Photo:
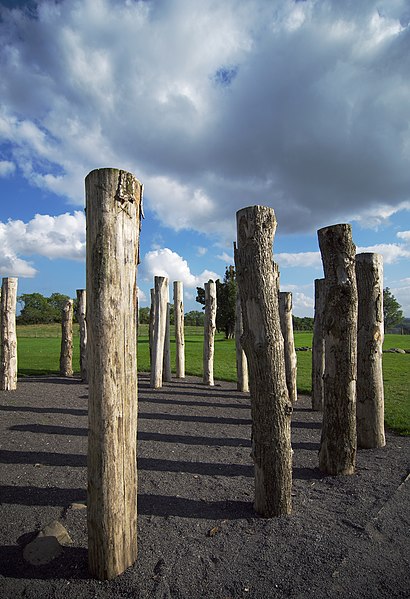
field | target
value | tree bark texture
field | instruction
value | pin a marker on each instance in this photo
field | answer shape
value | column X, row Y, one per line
column 167, row 375
column 81, row 311
column 337, row 454
column 286, row 324
column 8, row 334
column 241, row 361
column 179, row 329
column 160, row 323
column 262, row 341
column 318, row 347
column 66, row 353
column 151, row 326
column 370, row 334
column 209, row 332
column 113, row 204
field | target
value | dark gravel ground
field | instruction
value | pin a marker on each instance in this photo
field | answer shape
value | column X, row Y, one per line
column 347, row 536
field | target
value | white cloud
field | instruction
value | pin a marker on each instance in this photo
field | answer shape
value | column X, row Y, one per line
column 166, row 263
column 227, row 258
column 391, row 252
column 61, row 236
column 299, row 259
column 405, row 235
column 201, row 251
column 402, row 295
column 199, row 101
column 6, row 168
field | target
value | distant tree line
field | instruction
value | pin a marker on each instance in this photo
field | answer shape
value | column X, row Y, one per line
column 38, row 309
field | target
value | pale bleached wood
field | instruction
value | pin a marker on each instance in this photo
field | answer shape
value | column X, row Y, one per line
column 286, row 325
column 151, row 326
column 370, row 334
column 318, row 347
column 66, row 353
column 113, row 200
column 8, row 372
column 337, row 454
column 179, row 329
column 209, row 332
column 160, row 323
column 241, row 361
column 167, row 374
column 262, row 341
column 81, row 312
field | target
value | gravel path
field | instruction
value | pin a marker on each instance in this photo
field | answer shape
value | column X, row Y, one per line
column 198, row 535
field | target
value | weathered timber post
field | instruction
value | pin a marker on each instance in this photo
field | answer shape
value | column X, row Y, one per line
column 209, row 332
column 151, row 325
column 318, row 347
column 160, row 322
column 81, row 310
column 241, row 361
column 167, row 375
column 113, row 204
column 286, row 325
column 8, row 334
column 370, row 334
column 179, row 329
column 263, row 344
column 66, row 354
column 337, row 454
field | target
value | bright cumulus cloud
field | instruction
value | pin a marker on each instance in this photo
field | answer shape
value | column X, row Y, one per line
column 166, row 263
column 214, row 105
column 61, row 236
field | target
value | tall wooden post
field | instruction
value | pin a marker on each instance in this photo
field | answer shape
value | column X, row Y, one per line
column 66, row 354
column 318, row 347
column 337, row 454
column 151, row 326
column 113, row 199
column 209, row 332
column 263, row 344
column 160, row 323
column 8, row 372
column 179, row 329
column 370, row 333
column 241, row 361
column 167, row 374
column 81, row 310
column 286, row 325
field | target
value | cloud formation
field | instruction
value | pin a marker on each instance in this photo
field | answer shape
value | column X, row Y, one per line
column 61, row 236
column 215, row 105
column 166, row 263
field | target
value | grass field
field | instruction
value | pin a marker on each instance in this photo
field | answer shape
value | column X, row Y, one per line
column 39, row 353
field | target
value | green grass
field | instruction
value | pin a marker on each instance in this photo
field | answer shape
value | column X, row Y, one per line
column 39, row 353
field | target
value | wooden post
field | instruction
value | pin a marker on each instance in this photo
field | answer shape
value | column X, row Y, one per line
column 179, row 329
column 167, row 374
column 241, row 361
column 209, row 332
column 151, row 326
column 318, row 347
column 337, row 454
column 66, row 354
column 81, row 310
column 286, row 325
column 8, row 334
column 370, row 333
column 263, row 344
column 113, row 200
column 160, row 322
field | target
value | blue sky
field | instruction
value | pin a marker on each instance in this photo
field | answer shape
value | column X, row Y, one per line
column 302, row 106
